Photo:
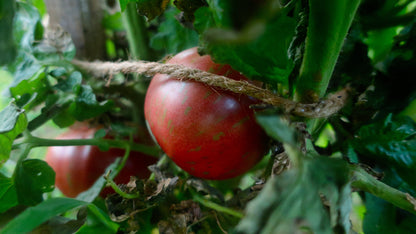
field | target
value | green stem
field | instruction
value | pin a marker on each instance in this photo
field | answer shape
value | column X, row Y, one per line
column 367, row 183
column 215, row 206
column 123, row 194
column 124, row 159
column 138, row 40
column 136, row 33
column 329, row 22
column 42, row 142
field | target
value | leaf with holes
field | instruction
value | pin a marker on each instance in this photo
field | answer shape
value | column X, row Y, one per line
column 33, row 178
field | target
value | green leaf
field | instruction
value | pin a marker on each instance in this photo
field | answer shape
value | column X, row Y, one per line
column 58, row 72
column 151, row 8
column 8, row 196
column 25, row 67
column 64, row 119
column 30, row 92
column 68, row 84
column 98, row 222
column 293, row 201
column 33, row 178
column 264, row 57
column 380, row 42
column 7, row 45
column 28, row 28
column 33, row 49
column 382, row 217
column 27, row 32
column 61, row 225
column 277, row 128
column 6, row 80
column 34, row 216
column 390, row 142
column 75, row 101
column 172, row 37
column 86, row 105
column 12, row 123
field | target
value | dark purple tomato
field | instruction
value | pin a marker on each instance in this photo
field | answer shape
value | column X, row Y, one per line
column 208, row 132
column 78, row 167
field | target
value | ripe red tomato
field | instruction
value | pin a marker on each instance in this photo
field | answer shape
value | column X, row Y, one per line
column 78, row 167
column 208, row 132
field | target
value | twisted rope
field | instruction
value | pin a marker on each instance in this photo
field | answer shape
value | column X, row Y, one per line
column 323, row 108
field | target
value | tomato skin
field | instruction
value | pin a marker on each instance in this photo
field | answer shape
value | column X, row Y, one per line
column 78, row 167
column 208, row 132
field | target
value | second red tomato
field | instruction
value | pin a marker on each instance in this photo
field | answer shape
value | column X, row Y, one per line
column 78, row 167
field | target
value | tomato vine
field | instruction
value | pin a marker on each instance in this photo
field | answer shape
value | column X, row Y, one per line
column 334, row 96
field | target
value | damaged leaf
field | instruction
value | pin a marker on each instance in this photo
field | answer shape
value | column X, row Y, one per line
column 189, row 7
column 151, row 8
column 182, row 216
column 293, row 201
column 164, row 186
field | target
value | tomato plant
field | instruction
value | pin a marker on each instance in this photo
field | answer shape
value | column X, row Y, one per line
column 209, row 133
column 78, row 167
column 335, row 114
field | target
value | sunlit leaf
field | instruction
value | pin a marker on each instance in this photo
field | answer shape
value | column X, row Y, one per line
column 30, row 92
column 12, row 123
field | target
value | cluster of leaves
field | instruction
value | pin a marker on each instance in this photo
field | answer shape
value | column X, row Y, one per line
column 45, row 87
column 265, row 40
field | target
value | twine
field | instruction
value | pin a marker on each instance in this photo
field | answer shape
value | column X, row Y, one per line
column 323, row 108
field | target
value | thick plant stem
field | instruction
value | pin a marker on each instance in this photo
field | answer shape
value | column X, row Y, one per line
column 138, row 40
column 367, row 183
column 136, row 33
column 329, row 22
